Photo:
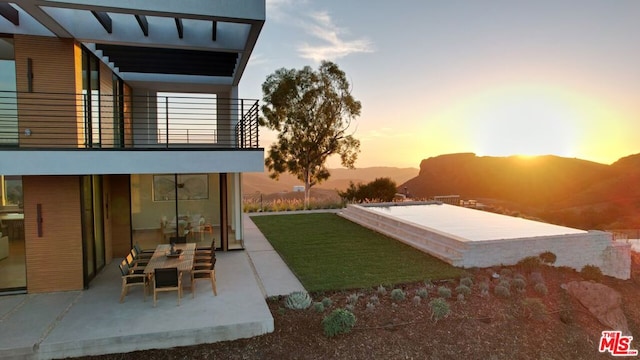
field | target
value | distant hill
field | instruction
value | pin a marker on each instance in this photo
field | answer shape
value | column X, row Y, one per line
column 340, row 178
column 561, row 190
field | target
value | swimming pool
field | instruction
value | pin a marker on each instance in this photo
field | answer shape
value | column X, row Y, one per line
column 469, row 238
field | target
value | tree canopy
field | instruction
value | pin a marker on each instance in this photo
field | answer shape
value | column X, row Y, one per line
column 312, row 112
column 381, row 189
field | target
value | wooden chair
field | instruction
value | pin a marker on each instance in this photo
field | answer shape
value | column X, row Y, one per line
column 130, row 279
column 204, row 271
column 166, row 279
column 135, row 267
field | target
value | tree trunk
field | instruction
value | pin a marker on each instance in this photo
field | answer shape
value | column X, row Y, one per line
column 307, row 190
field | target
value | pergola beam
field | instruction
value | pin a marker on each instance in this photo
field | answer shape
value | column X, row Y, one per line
column 8, row 12
column 214, row 31
column 179, row 27
column 104, row 19
column 144, row 24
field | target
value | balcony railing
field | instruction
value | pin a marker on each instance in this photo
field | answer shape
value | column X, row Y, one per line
column 97, row 121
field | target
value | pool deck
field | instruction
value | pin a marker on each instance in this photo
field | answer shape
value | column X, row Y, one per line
column 93, row 322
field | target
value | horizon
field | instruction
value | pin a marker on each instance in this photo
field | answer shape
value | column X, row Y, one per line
column 494, row 79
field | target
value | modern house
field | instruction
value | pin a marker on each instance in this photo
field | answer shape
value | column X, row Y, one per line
column 120, row 123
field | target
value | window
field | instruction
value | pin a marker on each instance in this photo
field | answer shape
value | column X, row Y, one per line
column 11, row 190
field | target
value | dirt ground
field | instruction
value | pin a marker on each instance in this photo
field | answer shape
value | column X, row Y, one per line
column 482, row 326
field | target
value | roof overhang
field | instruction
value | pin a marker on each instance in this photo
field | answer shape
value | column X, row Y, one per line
column 160, row 43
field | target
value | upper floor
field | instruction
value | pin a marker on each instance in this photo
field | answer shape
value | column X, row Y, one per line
column 109, row 86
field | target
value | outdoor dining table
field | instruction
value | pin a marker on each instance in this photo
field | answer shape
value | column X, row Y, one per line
column 184, row 262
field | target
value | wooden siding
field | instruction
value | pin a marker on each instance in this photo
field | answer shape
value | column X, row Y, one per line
column 106, row 106
column 54, row 261
column 54, row 71
column 128, row 122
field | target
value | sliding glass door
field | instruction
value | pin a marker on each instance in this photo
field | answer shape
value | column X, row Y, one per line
column 92, row 226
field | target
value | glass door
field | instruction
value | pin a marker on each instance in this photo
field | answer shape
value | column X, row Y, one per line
column 91, row 99
column 8, row 100
column 92, row 226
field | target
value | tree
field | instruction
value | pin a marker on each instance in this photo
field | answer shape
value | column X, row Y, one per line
column 381, row 189
column 312, row 112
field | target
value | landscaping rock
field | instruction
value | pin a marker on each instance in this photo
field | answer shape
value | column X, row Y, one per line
column 602, row 301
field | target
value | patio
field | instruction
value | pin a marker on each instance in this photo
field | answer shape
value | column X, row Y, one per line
column 92, row 322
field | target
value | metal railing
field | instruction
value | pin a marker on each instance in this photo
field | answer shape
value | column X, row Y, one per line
column 96, row 121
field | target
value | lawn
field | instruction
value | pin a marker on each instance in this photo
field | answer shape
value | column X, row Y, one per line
column 327, row 252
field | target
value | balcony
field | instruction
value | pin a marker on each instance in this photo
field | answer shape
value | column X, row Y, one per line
column 91, row 131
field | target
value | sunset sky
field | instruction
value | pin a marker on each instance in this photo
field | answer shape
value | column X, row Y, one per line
column 497, row 78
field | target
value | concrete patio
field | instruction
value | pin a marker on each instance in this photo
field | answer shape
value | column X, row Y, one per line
column 93, row 322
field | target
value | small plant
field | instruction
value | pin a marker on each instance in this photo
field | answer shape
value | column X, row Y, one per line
column 371, row 307
column 281, row 311
column 463, row 290
column 519, row 276
column 460, row 297
column 340, row 321
column 536, row 278
column 519, row 284
column 444, row 292
column 422, row 292
column 502, row 291
column 397, row 294
column 417, row 300
column 298, row 300
column 484, row 286
column 327, row 302
column 439, row 308
column 505, row 272
column 548, row 258
column 484, row 293
column 350, row 307
column 591, row 272
column 535, row 308
column 352, row 299
column 374, row 300
column 429, row 284
column 505, row 283
column 318, row 307
column 466, row 281
column 382, row 290
column 541, row 288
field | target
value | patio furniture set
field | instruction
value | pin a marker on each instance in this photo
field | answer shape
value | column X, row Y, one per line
column 162, row 269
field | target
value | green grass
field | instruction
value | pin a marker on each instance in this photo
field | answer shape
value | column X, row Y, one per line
column 327, row 252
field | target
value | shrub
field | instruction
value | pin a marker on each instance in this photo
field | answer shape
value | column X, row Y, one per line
column 466, row 281
column 298, row 300
column 463, row 289
column 350, row 307
column 429, row 284
column 534, row 308
column 327, row 302
column 484, row 293
column 519, row 276
column 460, row 297
column 529, row 263
column 439, row 308
column 502, row 291
column 318, row 307
column 397, row 294
column 591, row 272
column 548, row 258
column 484, row 286
column 371, row 306
column 519, row 284
column 417, row 300
column 444, row 292
column 382, row 290
column 422, row 292
column 536, row 278
column 381, row 189
column 340, row 321
column 541, row 288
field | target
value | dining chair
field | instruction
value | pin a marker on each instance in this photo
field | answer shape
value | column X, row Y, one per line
column 135, row 266
column 143, row 252
column 131, row 279
column 204, row 271
column 166, row 279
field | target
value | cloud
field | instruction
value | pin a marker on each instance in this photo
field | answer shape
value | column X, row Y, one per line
column 278, row 10
column 330, row 43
